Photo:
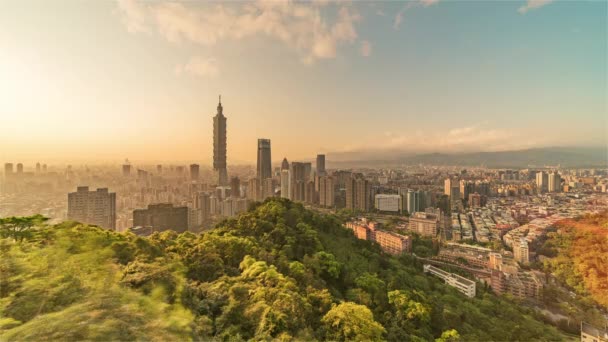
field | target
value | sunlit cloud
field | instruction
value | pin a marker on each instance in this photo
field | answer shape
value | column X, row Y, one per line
column 533, row 4
column 410, row 4
column 198, row 66
column 302, row 27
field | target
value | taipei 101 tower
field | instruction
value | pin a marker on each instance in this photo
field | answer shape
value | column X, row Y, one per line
column 219, row 145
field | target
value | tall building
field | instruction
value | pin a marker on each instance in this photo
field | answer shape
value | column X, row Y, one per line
column 320, row 164
column 299, row 174
column 8, row 169
column 284, row 164
column 235, row 187
column 159, row 169
column 37, row 167
column 363, row 201
column 327, row 194
column 264, row 167
column 310, row 195
column 93, row 207
column 424, row 223
column 285, row 182
column 447, row 186
column 350, row 186
column 219, row 145
column 19, row 168
column 253, row 189
column 126, row 170
column 163, row 216
column 542, row 181
column 194, row 172
column 267, row 186
column 555, row 182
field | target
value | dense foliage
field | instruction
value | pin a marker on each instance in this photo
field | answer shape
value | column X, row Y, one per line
column 276, row 272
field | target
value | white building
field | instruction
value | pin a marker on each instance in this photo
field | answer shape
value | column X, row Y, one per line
column 392, row 203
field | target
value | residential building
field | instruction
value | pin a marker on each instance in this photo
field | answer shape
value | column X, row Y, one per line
column 93, row 207
column 327, row 191
column 285, row 181
column 161, row 217
column 320, row 165
column 194, row 172
column 425, row 224
column 521, row 252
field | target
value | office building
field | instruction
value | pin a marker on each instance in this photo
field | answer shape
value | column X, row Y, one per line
column 284, row 164
column 126, row 170
column 285, row 181
column 424, row 223
column 327, row 192
column 161, row 217
column 194, row 172
column 388, row 203
column 235, row 187
column 320, row 165
column 219, row 145
column 299, row 174
column 93, row 207
column 253, row 189
column 264, row 166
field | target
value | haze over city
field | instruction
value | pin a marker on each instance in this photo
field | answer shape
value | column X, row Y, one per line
column 105, row 80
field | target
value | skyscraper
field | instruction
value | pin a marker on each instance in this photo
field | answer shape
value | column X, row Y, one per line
column 235, row 187
column 37, row 167
column 93, row 207
column 219, row 144
column 253, row 189
column 126, row 170
column 264, row 170
column 8, row 169
column 194, row 171
column 326, row 191
column 542, row 181
column 299, row 174
column 285, row 183
column 555, row 182
column 19, row 168
column 320, row 165
column 284, row 164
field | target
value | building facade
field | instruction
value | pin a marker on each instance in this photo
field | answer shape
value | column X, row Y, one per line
column 93, row 207
column 219, row 145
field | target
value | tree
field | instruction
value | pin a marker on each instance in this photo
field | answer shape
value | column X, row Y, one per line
column 451, row 335
column 351, row 322
column 19, row 228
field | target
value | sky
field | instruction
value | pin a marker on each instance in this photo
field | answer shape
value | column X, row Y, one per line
column 109, row 80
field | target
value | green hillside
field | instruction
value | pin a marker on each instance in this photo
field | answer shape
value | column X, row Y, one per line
column 276, row 272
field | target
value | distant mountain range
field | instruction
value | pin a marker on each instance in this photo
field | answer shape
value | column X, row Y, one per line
column 534, row 157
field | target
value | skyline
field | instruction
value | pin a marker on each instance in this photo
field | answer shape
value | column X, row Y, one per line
column 140, row 80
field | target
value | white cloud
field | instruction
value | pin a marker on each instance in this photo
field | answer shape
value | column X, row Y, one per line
column 366, row 48
column 198, row 66
column 533, row 4
column 300, row 26
column 399, row 16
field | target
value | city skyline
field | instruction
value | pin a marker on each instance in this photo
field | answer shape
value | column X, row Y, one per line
column 381, row 75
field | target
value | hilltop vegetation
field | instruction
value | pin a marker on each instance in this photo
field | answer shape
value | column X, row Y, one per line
column 276, row 272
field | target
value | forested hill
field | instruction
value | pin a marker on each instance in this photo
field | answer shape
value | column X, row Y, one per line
column 276, row 272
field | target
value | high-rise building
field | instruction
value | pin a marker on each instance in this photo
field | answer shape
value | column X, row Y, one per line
column 194, row 172
column 264, row 166
column 159, row 169
column 19, row 168
column 267, row 188
column 285, row 182
column 320, row 164
column 350, row 185
column 253, row 189
column 126, row 170
column 163, row 216
column 299, row 174
column 8, row 169
column 447, row 186
column 93, row 207
column 37, row 167
column 327, row 190
column 542, row 181
column 219, row 145
column 555, row 182
column 235, row 187
column 43, row 167
column 363, row 201
column 310, row 195
column 284, row 164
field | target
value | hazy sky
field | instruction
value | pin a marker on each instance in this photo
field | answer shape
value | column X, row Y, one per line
column 86, row 80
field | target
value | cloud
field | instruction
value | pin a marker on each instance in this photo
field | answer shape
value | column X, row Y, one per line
column 475, row 137
column 303, row 27
column 410, row 4
column 533, row 4
column 366, row 48
column 198, row 66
